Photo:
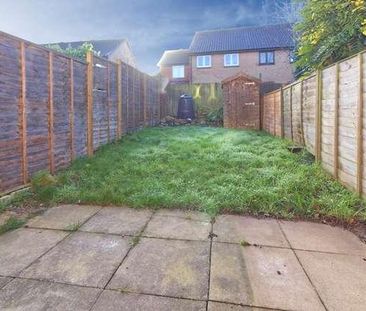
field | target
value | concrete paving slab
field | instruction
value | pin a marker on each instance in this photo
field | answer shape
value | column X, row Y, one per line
column 177, row 228
column 320, row 237
column 4, row 281
column 217, row 306
column 118, row 220
column 339, row 279
column 235, row 229
column 194, row 215
column 165, row 267
column 87, row 259
column 63, row 217
column 116, row 301
column 260, row 276
column 33, row 295
column 21, row 247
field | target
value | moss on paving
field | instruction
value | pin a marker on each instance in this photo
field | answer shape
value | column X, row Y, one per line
column 208, row 169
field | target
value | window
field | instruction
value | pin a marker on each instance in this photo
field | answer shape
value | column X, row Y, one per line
column 178, row 71
column 203, row 61
column 231, row 60
column 266, row 58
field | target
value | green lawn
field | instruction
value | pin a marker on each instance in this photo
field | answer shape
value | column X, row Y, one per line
column 209, row 169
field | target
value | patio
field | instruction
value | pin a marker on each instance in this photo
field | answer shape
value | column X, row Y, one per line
column 94, row 258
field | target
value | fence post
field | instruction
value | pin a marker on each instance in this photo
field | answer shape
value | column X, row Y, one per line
column 318, row 116
column 23, row 114
column 336, row 122
column 50, row 113
column 71, row 109
column 119, row 99
column 145, row 100
column 360, row 126
column 89, row 87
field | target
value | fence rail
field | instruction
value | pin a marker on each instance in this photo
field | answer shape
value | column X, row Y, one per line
column 325, row 112
column 54, row 108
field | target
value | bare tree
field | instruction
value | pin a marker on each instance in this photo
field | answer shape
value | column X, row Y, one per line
column 288, row 11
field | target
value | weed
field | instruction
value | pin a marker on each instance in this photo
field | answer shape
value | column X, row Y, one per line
column 11, row 224
column 135, row 240
column 73, row 227
column 244, row 243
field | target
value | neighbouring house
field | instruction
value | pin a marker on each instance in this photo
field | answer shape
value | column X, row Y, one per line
column 113, row 50
column 175, row 66
column 263, row 52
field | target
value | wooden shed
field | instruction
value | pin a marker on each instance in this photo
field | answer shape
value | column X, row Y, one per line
column 241, row 102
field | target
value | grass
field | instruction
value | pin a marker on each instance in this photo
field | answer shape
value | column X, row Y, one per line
column 209, row 169
column 11, row 224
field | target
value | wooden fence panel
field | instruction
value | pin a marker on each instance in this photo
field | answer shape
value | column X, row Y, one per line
column 287, row 113
column 11, row 158
column 80, row 109
column 297, row 124
column 326, row 113
column 37, row 109
column 328, row 118
column 54, row 108
column 348, row 96
column 61, row 113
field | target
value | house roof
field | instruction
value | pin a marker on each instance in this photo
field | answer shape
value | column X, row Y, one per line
column 105, row 47
column 243, row 38
column 174, row 57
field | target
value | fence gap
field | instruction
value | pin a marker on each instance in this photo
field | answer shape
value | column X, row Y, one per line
column 51, row 159
column 89, row 87
column 360, row 126
column 23, row 114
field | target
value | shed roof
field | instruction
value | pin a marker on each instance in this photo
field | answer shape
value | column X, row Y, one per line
column 243, row 38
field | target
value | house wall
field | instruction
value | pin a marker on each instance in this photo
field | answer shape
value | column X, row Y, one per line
column 166, row 72
column 124, row 53
column 280, row 72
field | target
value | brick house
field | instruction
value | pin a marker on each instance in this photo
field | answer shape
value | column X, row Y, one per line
column 110, row 49
column 175, row 66
column 263, row 52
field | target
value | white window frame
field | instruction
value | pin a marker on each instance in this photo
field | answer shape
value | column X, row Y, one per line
column 178, row 69
column 231, row 57
column 205, row 63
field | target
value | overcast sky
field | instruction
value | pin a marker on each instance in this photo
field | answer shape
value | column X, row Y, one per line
column 151, row 26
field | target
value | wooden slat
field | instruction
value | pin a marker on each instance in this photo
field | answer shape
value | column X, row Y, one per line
column 291, row 118
column 359, row 127
column 71, row 108
column 301, row 114
column 336, row 123
column 89, row 87
column 108, row 104
column 50, row 114
column 318, row 116
column 119, row 100
column 282, row 116
column 23, row 114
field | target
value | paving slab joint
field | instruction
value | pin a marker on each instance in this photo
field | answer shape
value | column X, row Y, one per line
column 302, row 267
